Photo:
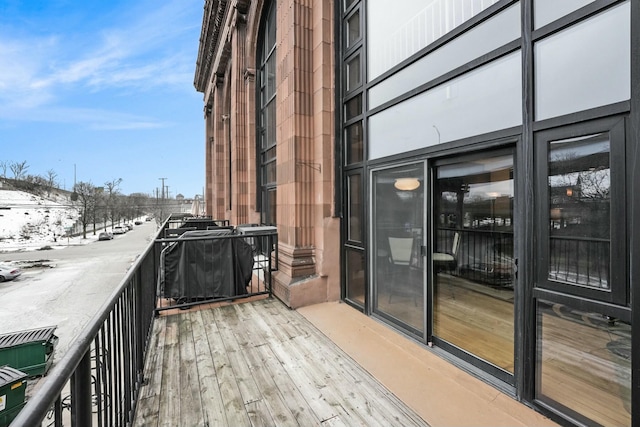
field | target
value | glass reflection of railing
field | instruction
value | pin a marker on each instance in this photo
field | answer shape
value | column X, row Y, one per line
column 483, row 256
column 579, row 261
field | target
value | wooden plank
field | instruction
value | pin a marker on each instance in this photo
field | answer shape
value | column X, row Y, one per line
column 233, row 404
column 356, row 386
column 169, row 413
column 212, row 406
column 149, row 403
column 360, row 392
column 283, row 400
column 190, row 400
column 235, row 345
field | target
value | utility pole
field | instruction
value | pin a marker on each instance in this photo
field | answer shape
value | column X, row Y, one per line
column 162, row 179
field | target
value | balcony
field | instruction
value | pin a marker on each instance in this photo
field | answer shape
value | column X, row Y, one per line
column 152, row 359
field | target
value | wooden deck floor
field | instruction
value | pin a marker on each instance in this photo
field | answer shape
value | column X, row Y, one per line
column 257, row 364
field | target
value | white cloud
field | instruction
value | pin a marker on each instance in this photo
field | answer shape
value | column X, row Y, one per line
column 155, row 48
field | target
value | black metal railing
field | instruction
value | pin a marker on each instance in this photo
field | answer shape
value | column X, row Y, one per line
column 214, row 265
column 98, row 380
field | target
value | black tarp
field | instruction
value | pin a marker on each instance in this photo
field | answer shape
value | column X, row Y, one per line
column 206, row 268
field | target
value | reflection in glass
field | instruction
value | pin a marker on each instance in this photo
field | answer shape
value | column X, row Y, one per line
column 486, row 99
column 473, row 258
column 353, row 29
column 594, row 54
column 584, row 363
column 353, row 73
column 353, row 107
column 398, row 217
column 546, row 11
column 396, row 33
column 354, row 141
column 355, row 275
column 480, row 40
column 355, row 208
column 580, row 211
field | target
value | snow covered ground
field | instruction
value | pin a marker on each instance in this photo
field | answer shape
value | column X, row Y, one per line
column 29, row 222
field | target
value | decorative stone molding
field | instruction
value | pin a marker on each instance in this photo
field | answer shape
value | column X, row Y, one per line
column 249, row 74
column 219, row 79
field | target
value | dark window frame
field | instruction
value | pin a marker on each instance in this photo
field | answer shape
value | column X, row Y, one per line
column 619, row 285
column 263, row 160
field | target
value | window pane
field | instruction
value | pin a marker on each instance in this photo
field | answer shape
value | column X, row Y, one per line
column 546, row 11
column 354, row 141
column 355, row 275
column 353, row 29
column 270, row 39
column 484, row 100
column 585, row 66
column 355, row 208
column 353, row 73
column 395, row 33
column 348, row 3
column 353, row 107
column 580, row 211
column 484, row 38
column 585, row 363
column 398, row 215
column 268, row 117
column 268, row 214
column 271, row 77
column 473, row 258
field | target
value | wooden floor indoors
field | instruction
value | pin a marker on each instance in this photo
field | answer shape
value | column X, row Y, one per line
column 257, row 363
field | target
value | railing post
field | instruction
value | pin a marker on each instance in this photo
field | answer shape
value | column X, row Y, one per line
column 81, row 393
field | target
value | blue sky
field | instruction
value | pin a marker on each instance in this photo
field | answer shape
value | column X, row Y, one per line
column 99, row 90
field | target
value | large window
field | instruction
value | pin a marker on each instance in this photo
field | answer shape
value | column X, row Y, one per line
column 486, row 99
column 583, row 321
column 397, row 31
column 493, row 33
column 582, row 252
column 595, row 54
column 267, row 117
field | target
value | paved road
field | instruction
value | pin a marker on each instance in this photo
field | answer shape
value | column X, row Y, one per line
column 73, row 289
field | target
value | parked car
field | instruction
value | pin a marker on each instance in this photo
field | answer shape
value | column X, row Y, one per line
column 129, row 226
column 105, row 235
column 118, row 229
column 8, row 272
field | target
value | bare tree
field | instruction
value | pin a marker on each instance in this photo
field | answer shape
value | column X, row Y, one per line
column 86, row 203
column 3, row 167
column 50, row 180
column 111, row 199
column 19, row 169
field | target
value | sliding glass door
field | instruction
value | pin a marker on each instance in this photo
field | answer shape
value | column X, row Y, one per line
column 473, row 259
column 398, row 239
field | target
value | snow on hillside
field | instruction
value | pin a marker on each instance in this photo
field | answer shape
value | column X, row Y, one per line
column 28, row 221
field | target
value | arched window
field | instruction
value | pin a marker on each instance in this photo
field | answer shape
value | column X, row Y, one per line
column 266, row 114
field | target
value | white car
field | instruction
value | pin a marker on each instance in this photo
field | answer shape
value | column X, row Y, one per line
column 118, row 229
column 8, row 272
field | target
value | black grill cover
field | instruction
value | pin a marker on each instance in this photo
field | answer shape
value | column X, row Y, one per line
column 204, row 269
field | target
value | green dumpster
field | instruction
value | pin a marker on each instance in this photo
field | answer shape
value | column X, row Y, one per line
column 12, row 389
column 30, row 351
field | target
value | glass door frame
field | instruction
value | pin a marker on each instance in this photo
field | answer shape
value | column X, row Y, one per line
column 494, row 375
column 420, row 335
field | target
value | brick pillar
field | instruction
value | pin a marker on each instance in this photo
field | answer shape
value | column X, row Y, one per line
column 304, row 158
column 239, row 175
